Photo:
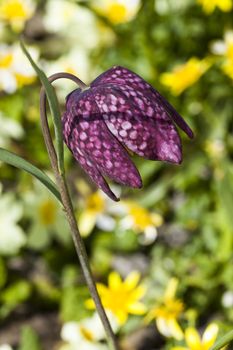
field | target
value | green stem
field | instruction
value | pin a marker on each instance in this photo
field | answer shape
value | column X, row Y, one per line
column 226, row 339
column 69, row 211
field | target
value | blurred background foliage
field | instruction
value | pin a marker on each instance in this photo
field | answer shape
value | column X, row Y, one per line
column 177, row 228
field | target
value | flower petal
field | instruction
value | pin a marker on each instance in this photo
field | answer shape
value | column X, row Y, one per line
column 163, row 326
column 132, row 280
column 144, row 127
column 90, row 137
column 84, row 161
column 122, row 76
column 175, row 329
column 139, row 292
column 114, row 280
column 121, row 316
column 89, row 303
column 193, row 339
column 171, row 288
column 86, row 222
column 210, row 336
column 137, row 308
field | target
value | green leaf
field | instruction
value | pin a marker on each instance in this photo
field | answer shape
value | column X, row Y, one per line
column 71, row 310
column 29, row 339
column 54, row 107
column 16, row 294
column 15, row 160
column 226, row 339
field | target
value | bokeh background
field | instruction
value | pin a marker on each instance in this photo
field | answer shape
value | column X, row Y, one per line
column 170, row 242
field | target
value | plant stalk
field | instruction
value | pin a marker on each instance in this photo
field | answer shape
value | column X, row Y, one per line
column 69, row 211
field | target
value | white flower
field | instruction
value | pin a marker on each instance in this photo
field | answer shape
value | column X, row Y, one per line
column 227, row 299
column 9, row 129
column 47, row 219
column 72, row 20
column 76, row 62
column 5, row 347
column 86, row 334
column 15, row 69
column 12, row 237
column 98, row 210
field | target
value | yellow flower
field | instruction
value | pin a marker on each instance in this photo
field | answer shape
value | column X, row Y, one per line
column 140, row 220
column 16, row 12
column 210, row 5
column 185, row 75
column 121, row 297
column 215, row 148
column 117, row 11
column 225, row 49
column 167, row 312
column 96, row 212
column 195, row 342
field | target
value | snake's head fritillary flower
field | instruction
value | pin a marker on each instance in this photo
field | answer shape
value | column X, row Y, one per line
column 120, row 111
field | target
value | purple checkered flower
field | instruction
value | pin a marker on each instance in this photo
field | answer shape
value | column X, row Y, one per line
column 120, row 111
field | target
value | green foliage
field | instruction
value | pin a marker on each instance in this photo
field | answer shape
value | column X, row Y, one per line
column 195, row 199
column 29, row 339
column 13, row 296
column 19, row 162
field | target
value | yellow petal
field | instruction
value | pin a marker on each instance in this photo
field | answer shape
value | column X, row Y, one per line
column 163, row 327
column 114, row 280
column 132, row 280
column 86, row 222
column 121, row 316
column 102, row 289
column 193, row 339
column 175, row 329
column 150, row 315
column 138, row 293
column 170, row 291
column 89, row 303
column 157, row 219
column 137, row 308
column 209, row 336
column 179, row 348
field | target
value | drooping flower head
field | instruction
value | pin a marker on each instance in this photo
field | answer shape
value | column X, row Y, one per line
column 120, row 110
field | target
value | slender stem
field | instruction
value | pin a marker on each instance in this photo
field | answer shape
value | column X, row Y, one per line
column 69, row 211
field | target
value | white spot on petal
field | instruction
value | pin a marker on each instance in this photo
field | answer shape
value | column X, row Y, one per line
column 126, row 125
column 143, row 146
column 123, row 133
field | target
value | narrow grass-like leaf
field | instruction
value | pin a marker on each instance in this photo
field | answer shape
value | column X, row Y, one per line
column 54, row 107
column 18, row 162
column 223, row 341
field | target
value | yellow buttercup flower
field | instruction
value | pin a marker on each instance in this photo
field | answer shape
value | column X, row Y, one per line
column 140, row 220
column 96, row 212
column 185, row 75
column 195, row 342
column 117, row 11
column 16, row 12
column 167, row 312
column 210, row 5
column 121, row 297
